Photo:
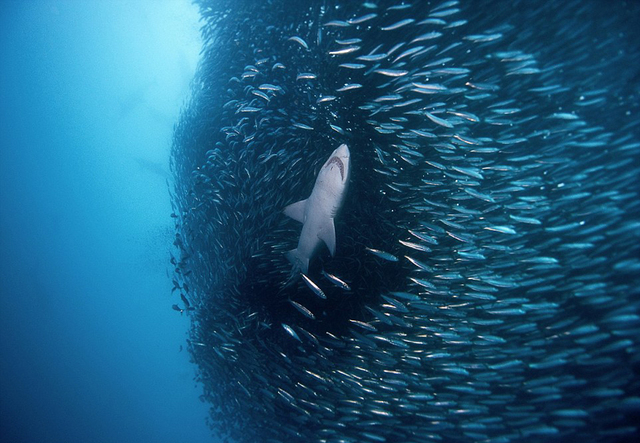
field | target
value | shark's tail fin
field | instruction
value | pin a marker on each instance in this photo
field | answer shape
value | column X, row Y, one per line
column 300, row 264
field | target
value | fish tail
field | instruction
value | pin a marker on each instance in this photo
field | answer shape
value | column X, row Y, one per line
column 300, row 264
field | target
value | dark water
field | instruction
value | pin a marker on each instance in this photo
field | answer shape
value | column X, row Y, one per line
column 89, row 345
column 494, row 151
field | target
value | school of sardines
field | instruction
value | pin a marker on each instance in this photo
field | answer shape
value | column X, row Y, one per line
column 485, row 284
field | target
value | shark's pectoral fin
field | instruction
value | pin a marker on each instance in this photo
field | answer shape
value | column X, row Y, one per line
column 328, row 235
column 296, row 210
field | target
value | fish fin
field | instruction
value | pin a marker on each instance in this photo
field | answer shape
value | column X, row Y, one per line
column 299, row 263
column 296, row 210
column 328, row 235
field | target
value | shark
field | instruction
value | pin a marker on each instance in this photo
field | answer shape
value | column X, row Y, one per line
column 318, row 212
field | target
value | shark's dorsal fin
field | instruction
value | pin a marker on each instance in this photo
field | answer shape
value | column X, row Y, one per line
column 296, row 210
column 328, row 235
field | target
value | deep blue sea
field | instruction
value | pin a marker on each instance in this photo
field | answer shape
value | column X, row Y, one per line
column 89, row 345
column 484, row 282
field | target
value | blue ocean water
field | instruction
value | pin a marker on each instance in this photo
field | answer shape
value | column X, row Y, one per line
column 90, row 349
column 89, row 345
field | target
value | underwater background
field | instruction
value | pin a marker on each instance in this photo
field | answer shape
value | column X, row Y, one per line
column 485, row 281
column 89, row 345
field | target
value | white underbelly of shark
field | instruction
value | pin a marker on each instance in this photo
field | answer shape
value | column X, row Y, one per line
column 317, row 213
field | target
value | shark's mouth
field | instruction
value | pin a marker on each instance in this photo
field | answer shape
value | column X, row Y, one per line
column 337, row 161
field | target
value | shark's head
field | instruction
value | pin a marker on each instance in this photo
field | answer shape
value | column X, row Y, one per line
column 338, row 165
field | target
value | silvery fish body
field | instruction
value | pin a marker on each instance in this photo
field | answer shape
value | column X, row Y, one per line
column 490, row 235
